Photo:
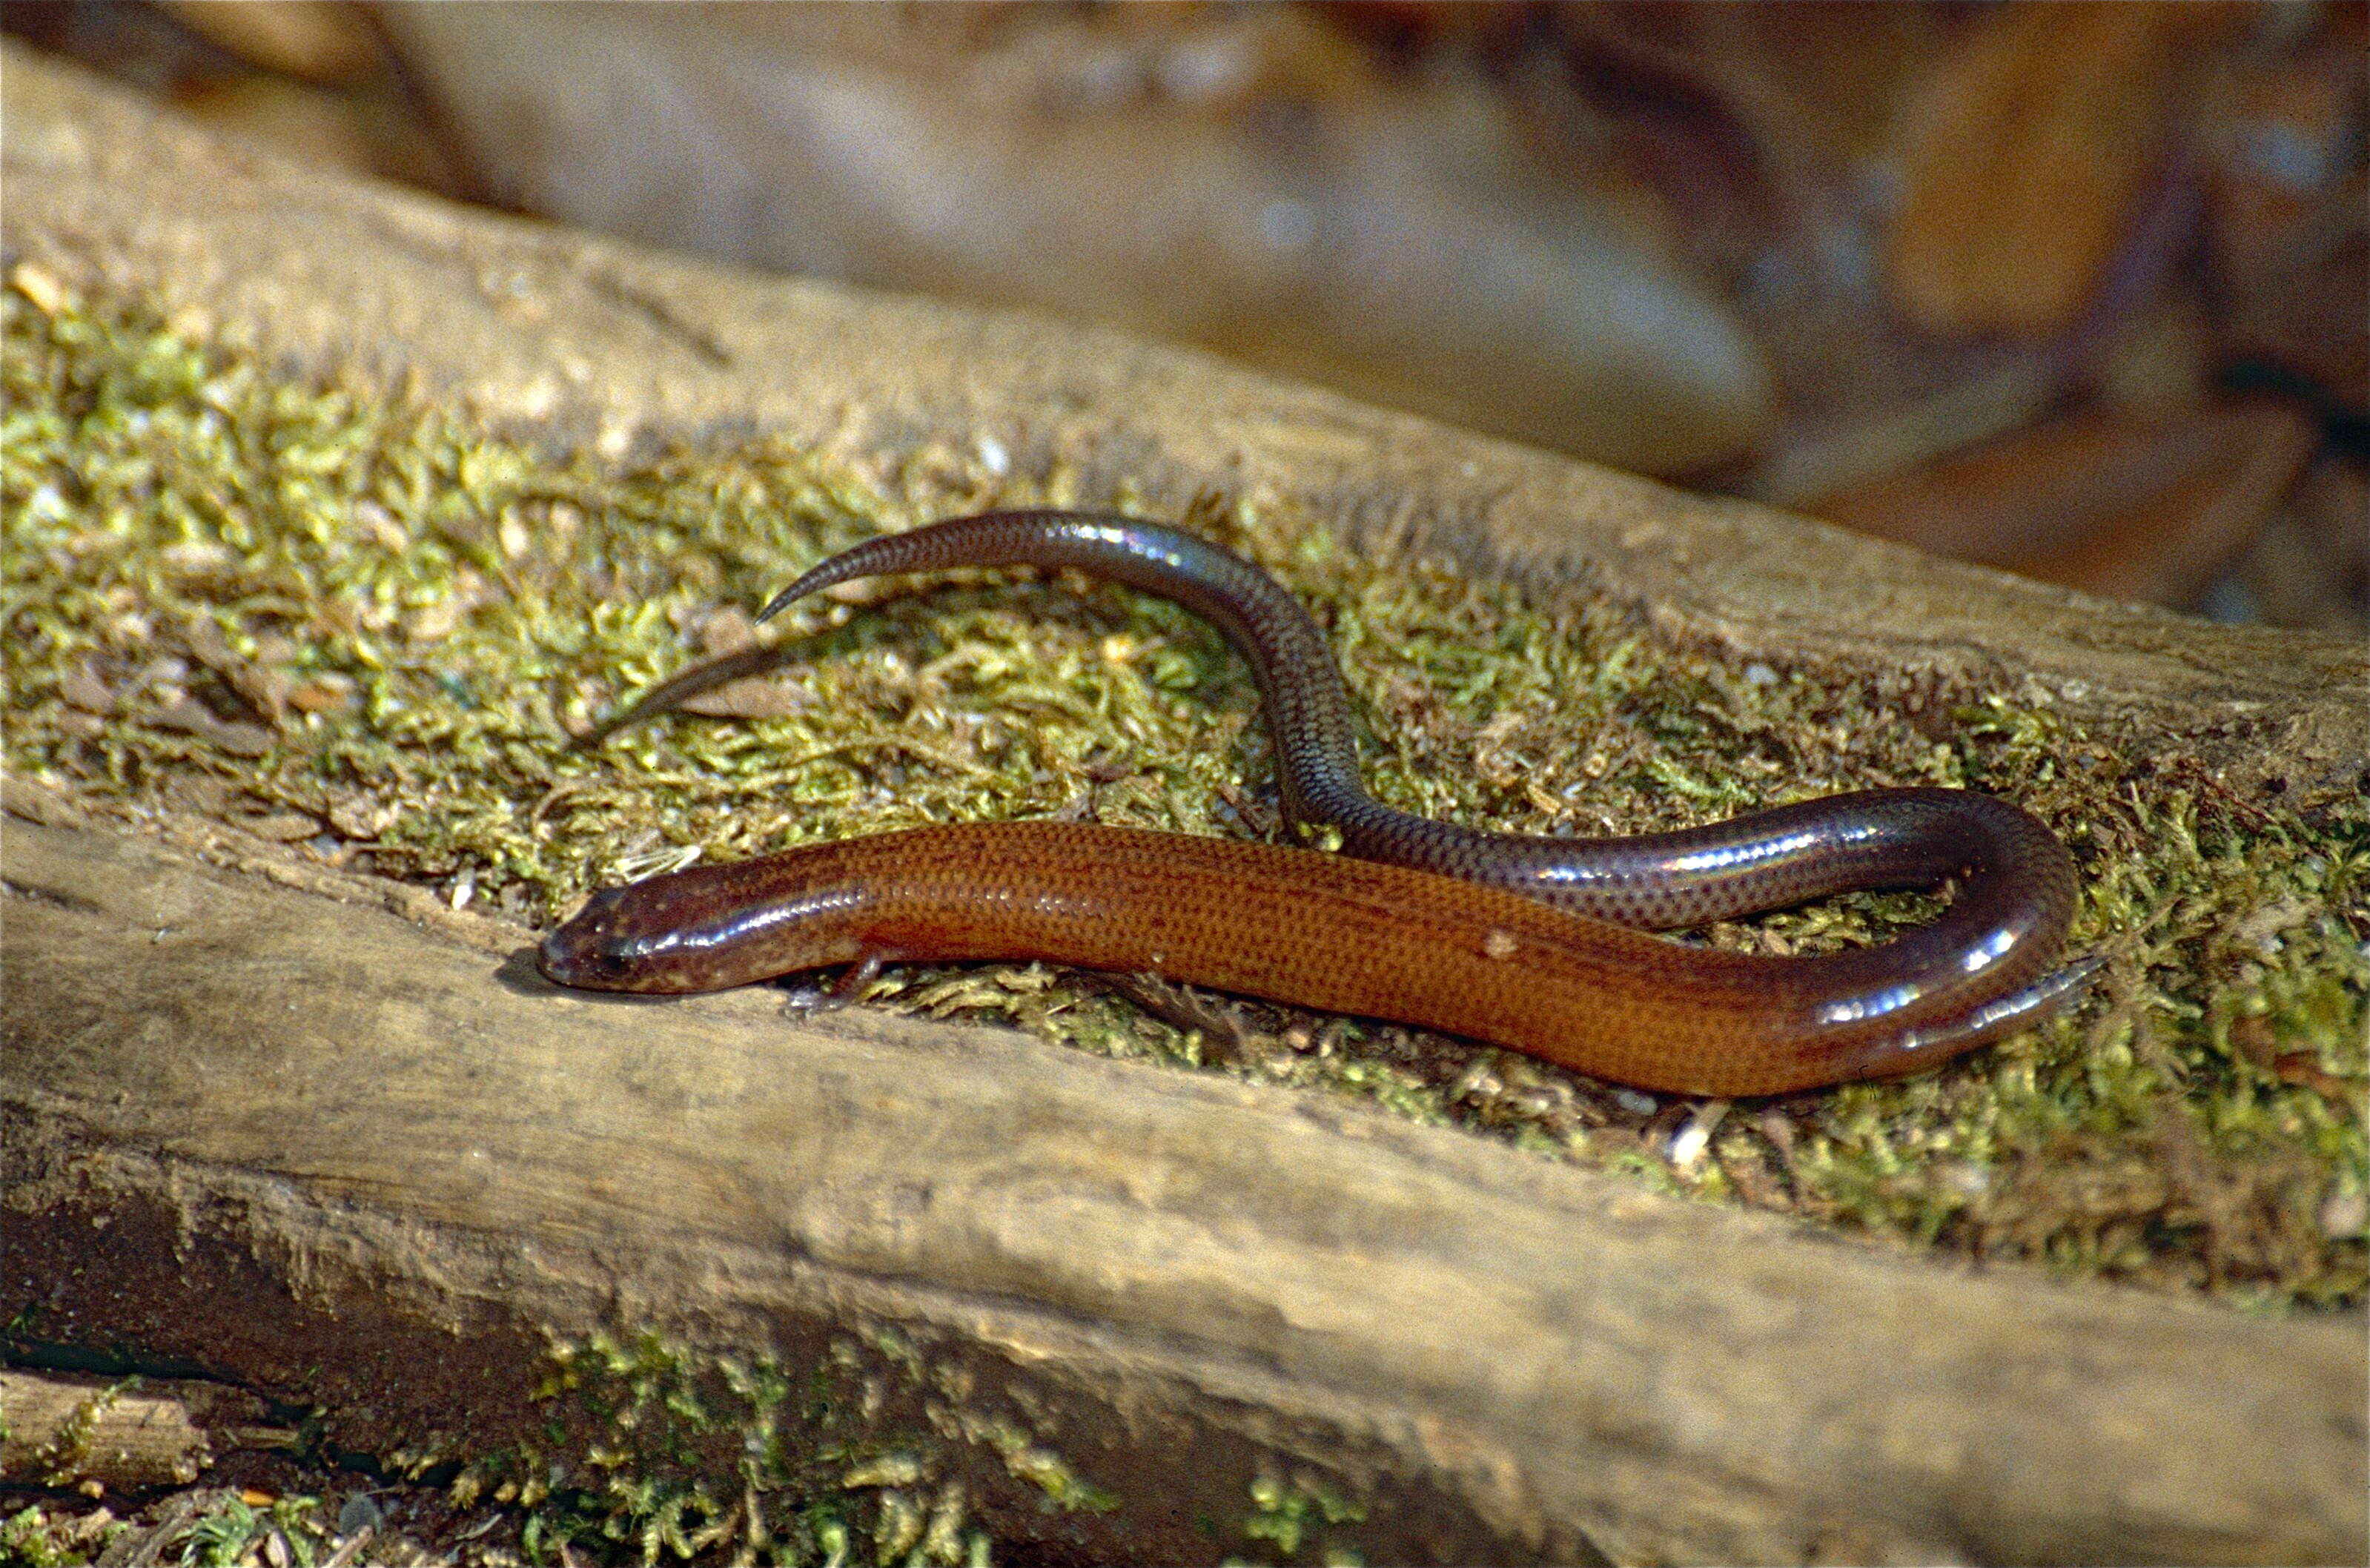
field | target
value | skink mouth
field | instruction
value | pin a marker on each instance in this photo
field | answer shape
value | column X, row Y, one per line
column 585, row 953
column 584, row 950
column 561, row 959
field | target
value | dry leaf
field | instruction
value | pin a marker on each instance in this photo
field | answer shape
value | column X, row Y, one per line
column 2029, row 154
column 2130, row 508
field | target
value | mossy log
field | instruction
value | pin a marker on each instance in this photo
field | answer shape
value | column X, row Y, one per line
column 318, row 1134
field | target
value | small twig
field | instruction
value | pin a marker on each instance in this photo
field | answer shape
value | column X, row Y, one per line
column 552, row 797
column 1255, row 816
column 683, row 684
column 350, row 1548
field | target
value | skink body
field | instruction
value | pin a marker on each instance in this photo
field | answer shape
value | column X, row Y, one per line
column 1515, row 939
column 1313, row 930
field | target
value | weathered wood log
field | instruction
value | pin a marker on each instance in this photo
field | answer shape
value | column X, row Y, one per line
column 124, row 1434
column 394, row 1138
column 255, row 1114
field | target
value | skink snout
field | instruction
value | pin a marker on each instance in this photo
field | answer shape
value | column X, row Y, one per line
column 587, row 951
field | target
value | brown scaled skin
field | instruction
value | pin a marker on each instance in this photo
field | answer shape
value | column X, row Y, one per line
column 1494, row 935
column 1322, row 931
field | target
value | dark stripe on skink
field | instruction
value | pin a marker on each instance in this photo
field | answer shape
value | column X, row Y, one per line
column 1766, row 859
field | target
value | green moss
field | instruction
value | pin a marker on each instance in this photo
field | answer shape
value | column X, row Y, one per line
column 225, row 1531
column 1291, row 1515
column 61, row 1458
column 372, row 629
column 35, row 1536
column 653, row 1450
column 226, row 1534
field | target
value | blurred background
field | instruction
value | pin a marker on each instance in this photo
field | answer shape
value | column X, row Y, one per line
column 2077, row 290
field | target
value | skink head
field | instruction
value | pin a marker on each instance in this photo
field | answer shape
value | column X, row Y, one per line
column 600, row 950
column 713, row 927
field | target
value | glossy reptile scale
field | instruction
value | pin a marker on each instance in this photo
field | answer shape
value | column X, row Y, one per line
column 1519, row 940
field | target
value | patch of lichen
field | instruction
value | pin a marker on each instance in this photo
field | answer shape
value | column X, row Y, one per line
column 381, row 632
